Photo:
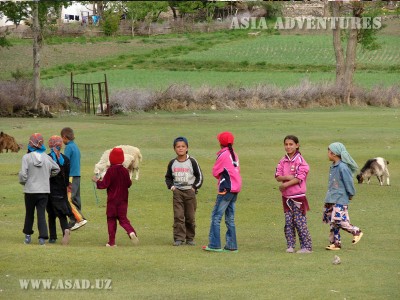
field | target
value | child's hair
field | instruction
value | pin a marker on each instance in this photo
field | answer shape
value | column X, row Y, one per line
column 232, row 155
column 293, row 138
column 68, row 133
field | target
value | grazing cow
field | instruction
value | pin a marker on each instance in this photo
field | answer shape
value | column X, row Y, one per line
column 376, row 166
column 7, row 142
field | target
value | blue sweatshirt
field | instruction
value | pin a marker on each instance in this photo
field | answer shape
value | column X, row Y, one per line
column 341, row 185
column 74, row 155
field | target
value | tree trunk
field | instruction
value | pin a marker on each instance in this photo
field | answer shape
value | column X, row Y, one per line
column 174, row 12
column 36, row 55
column 350, row 64
column 337, row 46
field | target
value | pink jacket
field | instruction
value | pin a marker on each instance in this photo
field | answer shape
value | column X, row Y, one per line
column 298, row 167
column 228, row 175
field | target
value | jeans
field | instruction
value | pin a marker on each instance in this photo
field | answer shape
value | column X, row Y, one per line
column 224, row 204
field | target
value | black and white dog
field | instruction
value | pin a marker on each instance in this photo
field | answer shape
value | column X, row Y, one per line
column 376, row 166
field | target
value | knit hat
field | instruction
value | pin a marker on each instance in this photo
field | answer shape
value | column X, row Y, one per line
column 181, row 139
column 340, row 150
column 117, row 156
column 55, row 141
column 225, row 138
column 36, row 140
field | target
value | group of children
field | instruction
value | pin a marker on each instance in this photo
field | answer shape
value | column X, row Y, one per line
column 292, row 171
column 183, row 177
column 46, row 181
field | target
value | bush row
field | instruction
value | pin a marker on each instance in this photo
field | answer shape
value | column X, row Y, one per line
column 18, row 95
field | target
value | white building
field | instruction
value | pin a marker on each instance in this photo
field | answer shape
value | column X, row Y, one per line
column 76, row 12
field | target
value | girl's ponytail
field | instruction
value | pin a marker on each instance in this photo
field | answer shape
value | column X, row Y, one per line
column 235, row 163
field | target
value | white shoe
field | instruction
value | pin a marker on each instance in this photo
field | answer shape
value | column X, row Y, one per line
column 134, row 238
column 78, row 225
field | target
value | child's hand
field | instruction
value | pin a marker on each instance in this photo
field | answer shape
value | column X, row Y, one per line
column 173, row 188
column 282, row 187
column 95, row 179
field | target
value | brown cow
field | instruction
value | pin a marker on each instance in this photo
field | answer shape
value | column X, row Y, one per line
column 7, row 142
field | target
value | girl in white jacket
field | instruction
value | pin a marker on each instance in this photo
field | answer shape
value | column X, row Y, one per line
column 36, row 170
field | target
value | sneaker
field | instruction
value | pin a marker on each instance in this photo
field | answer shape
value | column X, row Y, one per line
column 83, row 222
column 177, row 243
column 65, row 239
column 42, row 242
column 304, row 250
column 206, row 248
column 52, row 241
column 75, row 227
column 357, row 237
column 108, row 245
column 27, row 239
column 190, row 243
column 230, row 250
column 333, row 247
column 78, row 225
column 134, row 238
column 290, row 250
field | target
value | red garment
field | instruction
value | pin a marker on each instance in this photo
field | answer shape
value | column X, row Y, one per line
column 117, row 182
column 116, row 156
column 304, row 207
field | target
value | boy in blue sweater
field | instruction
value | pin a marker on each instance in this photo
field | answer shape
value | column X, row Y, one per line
column 74, row 155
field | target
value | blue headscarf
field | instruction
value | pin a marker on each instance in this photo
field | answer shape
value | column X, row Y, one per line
column 340, row 150
column 33, row 149
column 54, row 156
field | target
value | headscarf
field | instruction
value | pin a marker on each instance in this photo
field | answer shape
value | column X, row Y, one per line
column 36, row 143
column 116, row 156
column 225, row 138
column 340, row 150
column 55, row 144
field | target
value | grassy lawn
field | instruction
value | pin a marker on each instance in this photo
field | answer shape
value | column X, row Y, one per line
column 227, row 57
column 161, row 79
column 261, row 270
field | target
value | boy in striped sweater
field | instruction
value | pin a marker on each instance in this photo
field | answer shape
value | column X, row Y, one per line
column 183, row 178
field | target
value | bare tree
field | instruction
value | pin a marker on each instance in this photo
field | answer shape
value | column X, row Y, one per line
column 355, row 33
column 37, row 44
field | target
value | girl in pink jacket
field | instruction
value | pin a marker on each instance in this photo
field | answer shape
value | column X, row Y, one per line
column 292, row 172
column 227, row 171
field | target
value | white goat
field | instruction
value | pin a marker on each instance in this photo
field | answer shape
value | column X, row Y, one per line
column 132, row 155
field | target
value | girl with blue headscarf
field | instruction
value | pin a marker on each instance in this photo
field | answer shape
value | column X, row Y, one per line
column 36, row 169
column 340, row 191
column 58, row 205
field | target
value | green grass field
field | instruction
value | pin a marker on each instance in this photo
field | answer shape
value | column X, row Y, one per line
column 261, row 270
column 229, row 57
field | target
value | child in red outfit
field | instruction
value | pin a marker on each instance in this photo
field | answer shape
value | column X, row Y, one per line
column 117, row 182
